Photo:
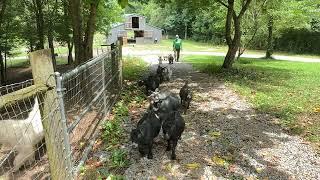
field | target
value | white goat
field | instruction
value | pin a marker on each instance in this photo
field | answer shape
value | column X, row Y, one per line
column 23, row 135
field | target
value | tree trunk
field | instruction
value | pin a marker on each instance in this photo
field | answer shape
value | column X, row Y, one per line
column 186, row 31
column 40, row 24
column 1, row 69
column 230, row 56
column 270, row 38
column 76, row 19
column 31, row 45
column 91, row 25
column 51, row 46
column 70, row 48
column 233, row 43
column 5, row 65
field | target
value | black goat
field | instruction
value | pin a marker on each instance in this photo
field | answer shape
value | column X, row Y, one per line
column 173, row 128
column 170, row 58
column 185, row 96
column 164, row 103
column 147, row 129
column 151, row 83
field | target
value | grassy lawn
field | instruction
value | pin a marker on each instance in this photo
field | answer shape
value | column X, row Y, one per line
column 133, row 68
column 288, row 90
column 190, row 45
column 23, row 63
column 187, row 45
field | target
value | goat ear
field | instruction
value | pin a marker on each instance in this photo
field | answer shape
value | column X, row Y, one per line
column 140, row 134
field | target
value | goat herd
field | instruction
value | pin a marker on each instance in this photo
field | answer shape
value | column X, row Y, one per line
column 163, row 111
column 23, row 135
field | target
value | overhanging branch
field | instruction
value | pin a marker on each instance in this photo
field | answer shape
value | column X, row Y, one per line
column 224, row 4
column 244, row 8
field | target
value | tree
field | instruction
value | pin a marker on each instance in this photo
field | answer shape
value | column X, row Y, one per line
column 8, row 33
column 232, row 16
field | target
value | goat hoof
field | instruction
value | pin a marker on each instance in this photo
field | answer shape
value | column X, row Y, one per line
column 150, row 156
column 173, row 157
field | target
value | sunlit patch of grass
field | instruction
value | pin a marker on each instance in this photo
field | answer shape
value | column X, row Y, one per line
column 24, row 63
column 133, row 68
column 284, row 89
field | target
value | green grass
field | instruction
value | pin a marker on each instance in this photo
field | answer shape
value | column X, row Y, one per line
column 112, row 130
column 288, row 90
column 187, row 45
column 190, row 45
column 23, row 63
column 133, row 68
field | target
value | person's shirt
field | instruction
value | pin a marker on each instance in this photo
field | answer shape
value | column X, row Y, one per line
column 177, row 43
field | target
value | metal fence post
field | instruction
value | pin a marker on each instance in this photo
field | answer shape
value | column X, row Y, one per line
column 113, row 67
column 66, row 143
column 104, row 87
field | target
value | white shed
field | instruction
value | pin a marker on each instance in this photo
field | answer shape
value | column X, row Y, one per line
column 136, row 25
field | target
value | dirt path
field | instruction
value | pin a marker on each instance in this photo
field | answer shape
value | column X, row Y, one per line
column 225, row 138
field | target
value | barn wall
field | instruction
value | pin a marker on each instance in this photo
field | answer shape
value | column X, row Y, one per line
column 113, row 35
column 157, row 33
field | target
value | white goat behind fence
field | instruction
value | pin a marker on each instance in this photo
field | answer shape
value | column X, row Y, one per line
column 23, row 135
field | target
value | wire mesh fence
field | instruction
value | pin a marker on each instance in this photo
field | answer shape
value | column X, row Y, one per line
column 83, row 97
column 15, row 87
column 22, row 152
column 90, row 91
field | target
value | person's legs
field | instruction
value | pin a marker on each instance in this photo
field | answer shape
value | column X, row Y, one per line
column 178, row 54
column 175, row 54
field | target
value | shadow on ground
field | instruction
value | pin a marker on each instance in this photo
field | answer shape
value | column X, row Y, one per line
column 226, row 138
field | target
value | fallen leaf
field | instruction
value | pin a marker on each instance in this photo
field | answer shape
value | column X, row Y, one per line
column 168, row 167
column 259, row 170
column 219, row 161
column 193, row 165
column 215, row 134
column 317, row 109
column 161, row 178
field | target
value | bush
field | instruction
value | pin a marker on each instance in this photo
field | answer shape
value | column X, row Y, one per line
column 299, row 41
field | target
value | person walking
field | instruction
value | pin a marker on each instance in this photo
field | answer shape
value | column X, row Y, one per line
column 177, row 46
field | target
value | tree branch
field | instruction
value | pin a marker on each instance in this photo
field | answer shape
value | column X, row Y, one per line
column 244, row 8
column 224, row 4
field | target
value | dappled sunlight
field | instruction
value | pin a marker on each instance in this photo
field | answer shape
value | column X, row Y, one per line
column 224, row 138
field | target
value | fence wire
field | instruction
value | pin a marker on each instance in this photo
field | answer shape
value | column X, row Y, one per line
column 87, row 92
column 22, row 145
column 90, row 91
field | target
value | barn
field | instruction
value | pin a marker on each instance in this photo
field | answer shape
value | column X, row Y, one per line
column 135, row 30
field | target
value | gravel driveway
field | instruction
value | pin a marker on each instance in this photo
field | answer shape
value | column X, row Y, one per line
column 225, row 138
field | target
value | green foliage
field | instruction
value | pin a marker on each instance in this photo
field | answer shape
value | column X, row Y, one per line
column 112, row 131
column 121, row 109
column 284, row 89
column 109, row 12
column 133, row 68
column 299, row 41
column 119, row 159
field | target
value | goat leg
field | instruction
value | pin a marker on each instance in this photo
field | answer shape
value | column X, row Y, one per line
column 150, row 155
column 173, row 152
column 25, row 153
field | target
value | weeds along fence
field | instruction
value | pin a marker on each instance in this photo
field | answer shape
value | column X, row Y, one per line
column 52, row 138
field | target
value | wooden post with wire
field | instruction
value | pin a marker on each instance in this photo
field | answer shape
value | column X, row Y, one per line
column 59, row 155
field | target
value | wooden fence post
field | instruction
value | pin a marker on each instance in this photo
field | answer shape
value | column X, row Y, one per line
column 59, row 158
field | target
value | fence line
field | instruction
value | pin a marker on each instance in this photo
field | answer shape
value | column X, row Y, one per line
column 72, row 106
